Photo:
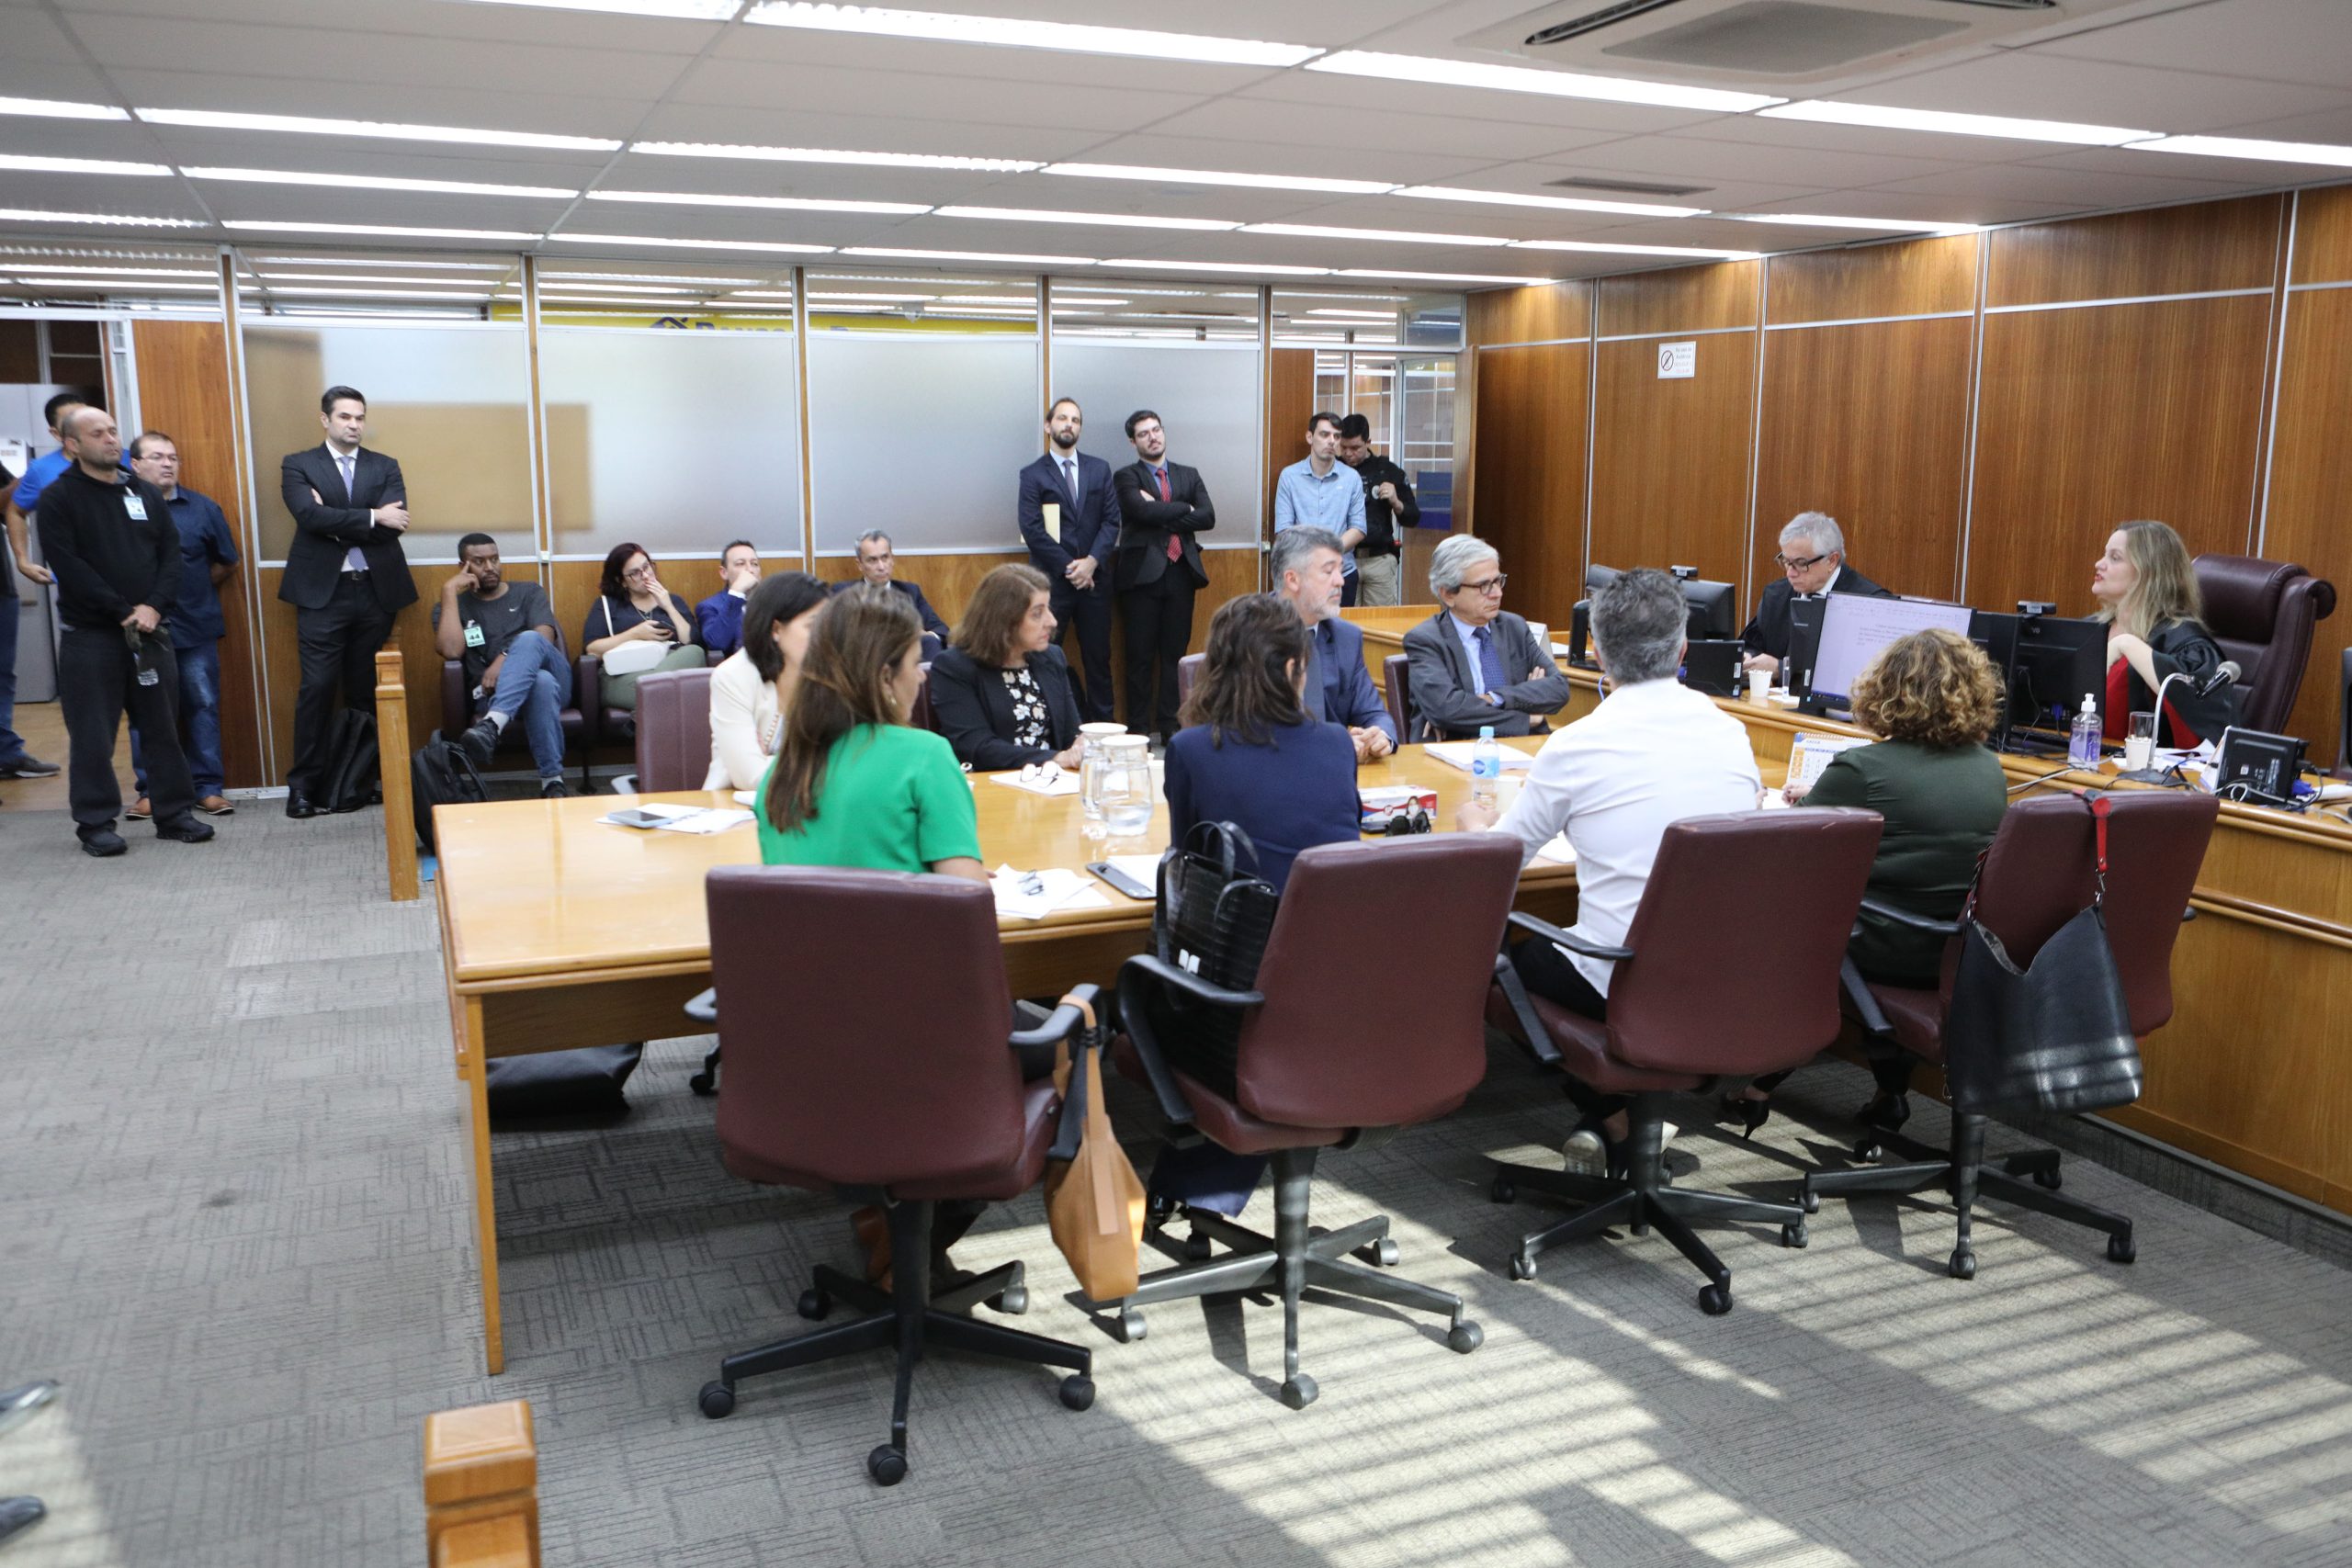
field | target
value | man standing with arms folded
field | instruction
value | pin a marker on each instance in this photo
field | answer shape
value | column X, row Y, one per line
column 1317, row 490
column 346, row 577
column 1304, row 565
column 24, row 495
column 1161, row 506
column 1388, row 510
column 1072, row 544
column 208, row 559
column 720, row 616
column 109, row 539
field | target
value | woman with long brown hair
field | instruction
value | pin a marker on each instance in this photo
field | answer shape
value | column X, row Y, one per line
column 2147, row 594
column 1000, row 691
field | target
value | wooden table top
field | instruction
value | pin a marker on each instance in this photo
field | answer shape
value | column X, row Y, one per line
column 539, row 889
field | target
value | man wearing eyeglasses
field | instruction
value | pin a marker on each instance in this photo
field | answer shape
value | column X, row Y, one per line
column 1474, row 662
column 1813, row 563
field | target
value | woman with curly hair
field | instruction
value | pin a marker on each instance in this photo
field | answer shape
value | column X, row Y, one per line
column 1934, row 698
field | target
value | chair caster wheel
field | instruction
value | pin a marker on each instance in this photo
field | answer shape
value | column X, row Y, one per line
column 1196, row 1247
column 1158, row 1211
column 1503, row 1191
column 717, row 1401
column 1128, row 1327
column 1078, row 1391
column 703, row 1084
column 1715, row 1300
column 1011, row 1300
column 1794, row 1234
column 814, row 1304
column 1300, row 1392
column 1962, row 1265
column 1381, row 1254
column 1809, row 1200
column 1522, row 1267
column 1465, row 1336
column 887, row 1465
column 1866, row 1151
column 2121, row 1249
column 2049, row 1181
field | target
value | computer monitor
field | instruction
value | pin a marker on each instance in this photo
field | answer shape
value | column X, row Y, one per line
column 2049, row 663
column 1804, row 645
column 1596, row 578
column 1712, row 611
column 1854, row 627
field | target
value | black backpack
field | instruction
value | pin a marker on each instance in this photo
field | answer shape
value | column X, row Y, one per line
column 350, row 777
column 441, row 775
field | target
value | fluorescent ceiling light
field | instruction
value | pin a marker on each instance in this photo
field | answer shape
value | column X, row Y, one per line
column 1320, row 294
column 659, row 302
column 1528, row 79
column 1822, row 220
column 378, row 293
column 674, row 10
column 1013, row 32
column 1406, row 236
column 272, row 279
column 30, row 163
column 383, row 230
column 1217, row 177
column 2250, row 147
column 1059, row 300
column 35, row 215
column 382, row 260
column 1825, row 112
column 763, row 294
column 1089, row 220
column 785, row 203
column 374, row 182
column 1363, row 315
column 662, row 289
column 874, row 299
column 649, row 278
column 57, row 108
column 691, row 245
column 46, row 269
column 831, row 155
column 1702, row 251
column 224, row 119
column 998, row 256
column 378, row 311
column 1269, row 269
column 1435, row 277
column 1551, row 203
column 98, row 284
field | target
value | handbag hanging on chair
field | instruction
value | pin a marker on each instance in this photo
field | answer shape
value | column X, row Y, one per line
column 1094, row 1201
column 2054, row 1036
column 1212, row 916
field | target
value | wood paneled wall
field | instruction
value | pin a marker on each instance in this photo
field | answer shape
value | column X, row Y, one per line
column 1290, row 404
column 1978, row 411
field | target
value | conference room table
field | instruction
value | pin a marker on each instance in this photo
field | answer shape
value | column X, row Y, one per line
column 559, row 931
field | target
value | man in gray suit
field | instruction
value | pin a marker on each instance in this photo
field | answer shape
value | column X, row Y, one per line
column 1474, row 664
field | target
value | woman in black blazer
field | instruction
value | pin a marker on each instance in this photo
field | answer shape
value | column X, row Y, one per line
column 2147, row 594
column 1000, row 693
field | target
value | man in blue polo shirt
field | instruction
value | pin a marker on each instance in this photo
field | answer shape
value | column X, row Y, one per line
column 16, row 762
column 1321, row 491
column 208, row 559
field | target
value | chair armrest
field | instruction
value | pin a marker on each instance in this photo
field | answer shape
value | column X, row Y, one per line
column 1058, row 1026
column 456, row 712
column 1568, row 940
column 587, row 695
column 1866, row 1008
column 1514, row 991
column 1906, row 917
column 1137, row 976
column 1184, row 980
column 704, row 1007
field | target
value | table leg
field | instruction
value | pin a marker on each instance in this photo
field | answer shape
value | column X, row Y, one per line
column 471, row 1065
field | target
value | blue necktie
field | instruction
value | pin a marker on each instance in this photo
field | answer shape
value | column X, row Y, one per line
column 1490, row 663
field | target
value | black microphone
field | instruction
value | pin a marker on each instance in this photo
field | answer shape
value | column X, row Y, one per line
column 2227, row 675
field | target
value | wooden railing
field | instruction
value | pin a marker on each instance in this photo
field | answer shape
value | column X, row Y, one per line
column 481, row 1478
column 391, row 753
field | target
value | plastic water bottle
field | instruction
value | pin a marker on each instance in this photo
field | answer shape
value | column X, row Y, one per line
column 2082, row 746
column 1485, row 769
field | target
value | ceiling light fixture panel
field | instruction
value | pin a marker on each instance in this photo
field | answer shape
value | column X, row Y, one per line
column 58, row 109
column 1700, row 253
column 374, row 182
column 2250, row 147
column 1405, row 236
column 1089, row 219
column 1437, row 276
column 390, row 130
column 386, row 230
column 38, row 215
column 1824, row 221
column 664, row 10
column 33, row 165
column 1531, row 79
column 1878, row 116
column 767, row 245
column 1549, row 203
column 1221, row 177
column 1267, row 270
column 1076, row 37
column 1001, row 257
column 773, row 203
column 831, row 155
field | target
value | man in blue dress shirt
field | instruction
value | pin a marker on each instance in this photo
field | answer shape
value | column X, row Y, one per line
column 208, row 559
column 720, row 616
column 1304, row 567
column 1320, row 491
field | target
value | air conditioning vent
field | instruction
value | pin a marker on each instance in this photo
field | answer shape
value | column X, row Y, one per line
column 1784, row 37
column 1608, row 16
column 1626, row 188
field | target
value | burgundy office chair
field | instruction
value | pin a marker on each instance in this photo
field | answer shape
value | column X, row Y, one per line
column 1397, row 681
column 1188, row 674
column 457, row 710
column 2261, row 614
column 1678, row 1026
column 1327, row 1059
column 672, row 730
column 904, row 1092
column 2037, row 876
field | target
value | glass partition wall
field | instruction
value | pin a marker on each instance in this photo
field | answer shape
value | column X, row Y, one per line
column 1391, row 358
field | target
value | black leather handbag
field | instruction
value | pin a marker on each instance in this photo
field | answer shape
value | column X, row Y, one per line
column 1212, row 916
column 2054, row 1036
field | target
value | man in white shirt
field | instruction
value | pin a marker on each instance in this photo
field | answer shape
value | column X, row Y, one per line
column 1654, row 752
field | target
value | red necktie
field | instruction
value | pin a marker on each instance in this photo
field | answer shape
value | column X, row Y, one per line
column 1175, row 550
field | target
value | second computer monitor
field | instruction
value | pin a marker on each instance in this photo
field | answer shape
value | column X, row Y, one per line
column 1854, row 627
column 1714, row 609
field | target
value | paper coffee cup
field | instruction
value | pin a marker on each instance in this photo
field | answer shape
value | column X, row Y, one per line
column 1759, row 682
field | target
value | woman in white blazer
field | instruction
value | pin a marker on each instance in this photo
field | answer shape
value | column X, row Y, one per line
column 752, row 685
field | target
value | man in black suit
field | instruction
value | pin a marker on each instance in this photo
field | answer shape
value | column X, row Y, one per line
column 1813, row 563
column 1161, row 506
column 344, row 576
column 1073, row 544
column 877, row 563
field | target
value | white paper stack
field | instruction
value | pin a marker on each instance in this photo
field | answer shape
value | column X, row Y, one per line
column 1032, row 896
column 1462, row 754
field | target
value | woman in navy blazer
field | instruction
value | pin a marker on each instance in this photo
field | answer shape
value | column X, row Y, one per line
column 1249, row 754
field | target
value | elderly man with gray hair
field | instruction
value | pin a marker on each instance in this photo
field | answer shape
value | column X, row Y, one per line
column 1474, row 662
column 878, row 562
column 1813, row 563
column 1654, row 752
column 1306, row 567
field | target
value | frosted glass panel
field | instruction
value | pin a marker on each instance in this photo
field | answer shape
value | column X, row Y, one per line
column 449, row 401
column 679, row 440
column 1207, row 397
column 922, row 435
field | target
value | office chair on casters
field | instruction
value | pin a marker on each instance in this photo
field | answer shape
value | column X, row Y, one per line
column 1323, row 1065
column 1188, row 674
column 905, row 1094
column 2037, row 876
column 1397, row 687
column 1670, row 1035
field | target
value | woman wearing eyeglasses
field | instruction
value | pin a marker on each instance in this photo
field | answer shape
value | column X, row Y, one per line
column 637, row 627
column 1474, row 662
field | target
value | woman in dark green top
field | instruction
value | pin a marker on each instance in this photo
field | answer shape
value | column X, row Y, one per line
column 1933, row 697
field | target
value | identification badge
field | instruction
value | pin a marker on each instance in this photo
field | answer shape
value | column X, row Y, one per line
column 149, row 675
column 136, row 507
column 473, row 634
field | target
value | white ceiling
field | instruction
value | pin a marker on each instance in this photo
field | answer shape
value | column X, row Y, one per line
column 2272, row 68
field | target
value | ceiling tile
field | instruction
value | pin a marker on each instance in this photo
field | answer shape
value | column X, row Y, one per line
column 2040, row 85
column 740, row 83
column 2069, row 190
column 1361, row 132
column 2283, row 40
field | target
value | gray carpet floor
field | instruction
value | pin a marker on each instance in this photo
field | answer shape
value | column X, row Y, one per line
column 233, row 1223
